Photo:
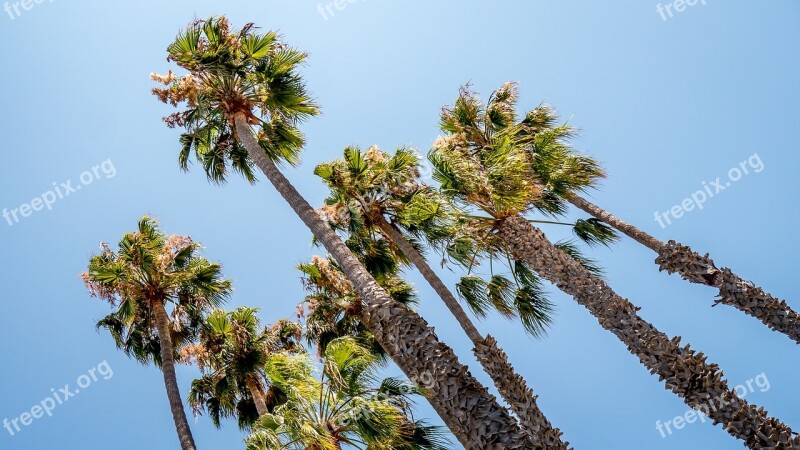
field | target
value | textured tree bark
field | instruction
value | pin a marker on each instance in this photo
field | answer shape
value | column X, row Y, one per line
column 733, row 291
column 258, row 396
column 398, row 239
column 684, row 372
column 466, row 407
column 170, row 380
column 511, row 386
column 691, row 266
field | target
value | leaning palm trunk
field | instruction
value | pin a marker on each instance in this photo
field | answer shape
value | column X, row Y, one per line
column 511, row 386
column 258, row 396
column 686, row 373
column 170, row 380
column 466, row 407
column 733, row 290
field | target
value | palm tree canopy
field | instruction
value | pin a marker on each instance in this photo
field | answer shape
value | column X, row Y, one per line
column 558, row 168
column 504, row 166
column 372, row 182
column 332, row 308
column 150, row 269
column 366, row 187
column 490, row 161
column 231, row 353
column 229, row 73
column 346, row 406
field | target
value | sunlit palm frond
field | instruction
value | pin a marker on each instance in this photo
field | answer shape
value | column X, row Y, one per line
column 230, row 73
column 150, row 270
column 344, row 405
column 595, row 232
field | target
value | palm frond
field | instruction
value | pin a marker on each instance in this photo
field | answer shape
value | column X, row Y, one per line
column 595, row 232
column 473, row 291
column 571, row 249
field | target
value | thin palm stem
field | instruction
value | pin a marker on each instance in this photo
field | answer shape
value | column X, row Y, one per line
column 511, row 386
column 691, row 266
column 170, row 379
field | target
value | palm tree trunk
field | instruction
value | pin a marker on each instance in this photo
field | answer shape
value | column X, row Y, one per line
column 691, row 266
column 686, row 373
column 511, row 386
column 632, row 232
column 466, row 407
column 258, row 396
column 170, row 380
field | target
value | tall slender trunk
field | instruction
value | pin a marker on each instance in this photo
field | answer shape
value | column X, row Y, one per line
column 170, row 380
column 686, row 373
column 630, row 230
column 254, row 386
column 468, row 409
column 511, row 386
column 691, row 266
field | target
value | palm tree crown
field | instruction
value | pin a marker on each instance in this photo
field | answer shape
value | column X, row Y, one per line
column 232, row 73
column 346, row 406
column 147, row 272
column 489, row 162
column 559, row 170
column 231, row 354
column 365, row 185
column 490, row 159
column 150, row 268
column 332, row 308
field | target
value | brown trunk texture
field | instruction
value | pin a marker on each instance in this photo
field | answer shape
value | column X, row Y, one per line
column 258, row 396
column 466, row 407
column 684, row 372
column 511, row 386
column 691, row 266
column 170, row 380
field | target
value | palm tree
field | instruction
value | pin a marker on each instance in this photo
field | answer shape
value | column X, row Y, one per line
column 366, row 188
column 566, row 175
column 231, row 353
column 691, row 266
column 332, row 308
column 242, row 79
column 481, row 164
column 345, row 407
column 149, row 271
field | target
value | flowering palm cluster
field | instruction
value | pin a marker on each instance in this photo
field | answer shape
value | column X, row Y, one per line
column 332, row 308
column 148, row 271
column 229, row 74
column 366, row 184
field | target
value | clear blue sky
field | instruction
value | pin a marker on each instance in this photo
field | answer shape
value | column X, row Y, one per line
column 665, row 104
